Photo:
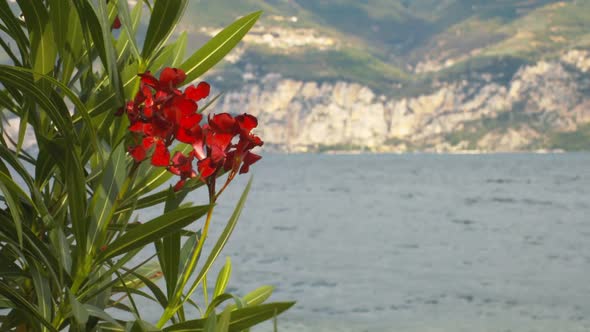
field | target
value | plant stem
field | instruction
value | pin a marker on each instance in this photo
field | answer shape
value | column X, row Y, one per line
column 173, row 306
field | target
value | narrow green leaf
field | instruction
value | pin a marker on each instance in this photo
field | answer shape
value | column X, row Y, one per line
column 110, row 52
column 218, row 300
column 8, row 156
column 14, row 29
column 155, row 289
column 76, row 189
column 105, row 197
column 43, row 292
column 220, row 45
column 73, row 39
column 161, row 196
column 223, row 278
column 18, row 75
column 171, row 55
column 222, row 240
column 128, row 38
column 240, row 319
column 210, row 323
column 153, row 230
column 143, row 326
column 11, row 192
column 224, row 321
column 169, row 250
column 60, row 244
column 23, row 304
column 78, row 310
column 128, row 27
column 110, row 327
column 22, row 129
column 40, row 29
column 101, row 314
column 164, row 18
column 99, row 27
column 23, row 81
column 258, row 296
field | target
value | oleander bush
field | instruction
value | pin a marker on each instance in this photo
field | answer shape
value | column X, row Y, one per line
column 119, row 127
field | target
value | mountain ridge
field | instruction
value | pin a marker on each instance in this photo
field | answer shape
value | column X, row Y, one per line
column 413, row 50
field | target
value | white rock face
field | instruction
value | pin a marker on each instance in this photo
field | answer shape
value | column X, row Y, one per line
column 304, row 116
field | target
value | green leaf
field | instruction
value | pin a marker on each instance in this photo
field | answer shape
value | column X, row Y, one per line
column 128, row 38
column 164, row 18
column 224, row 321
column 104, row 201
column 60, row 244
column 18, row 75
column 143, row 326
column 169, row 250
column 218, row 300
column 41, row 33
column 223, row 278
column 220, row 45
column 13, row 26
column 43, row 292
column 240, row 319
column 210, row 323
column 128, row 27
column 11, row 193
column 68, row 36
column 99, row 313
column 78, row 310
column 99, row 28
column 152, row 230
column 76, row 189
column 258, row 296
column 148, row 279
column 161, row 196
column 23, row 81
column 22, row 129
column 171, row 55
column 23, row 304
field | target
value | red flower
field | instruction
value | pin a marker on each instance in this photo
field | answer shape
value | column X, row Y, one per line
column 182, row 166
column 160, row 113
column 172, row 77
column 199, row 92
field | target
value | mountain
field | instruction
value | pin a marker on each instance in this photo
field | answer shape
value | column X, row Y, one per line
column 407, row 75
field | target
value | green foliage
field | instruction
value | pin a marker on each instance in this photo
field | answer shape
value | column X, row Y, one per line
column 67, row 236
column 578, row 140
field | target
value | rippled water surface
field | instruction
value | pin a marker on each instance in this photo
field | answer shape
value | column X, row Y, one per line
column 417, row 242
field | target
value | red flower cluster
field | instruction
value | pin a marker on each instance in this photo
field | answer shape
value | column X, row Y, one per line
column 161, row 114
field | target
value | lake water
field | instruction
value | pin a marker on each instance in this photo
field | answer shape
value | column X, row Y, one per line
column 417, row 242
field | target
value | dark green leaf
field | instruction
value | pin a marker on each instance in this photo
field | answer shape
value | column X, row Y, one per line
column 142, row 326
column 240, row 319
column 14, row 29
column 220, row 45
column 164, row 18
column 23, row 304
column 40, row 29
column 153, row 230
column 105, row 197
column 43, row 292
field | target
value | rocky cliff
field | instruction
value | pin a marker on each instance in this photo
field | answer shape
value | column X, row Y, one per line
column 488, row 111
